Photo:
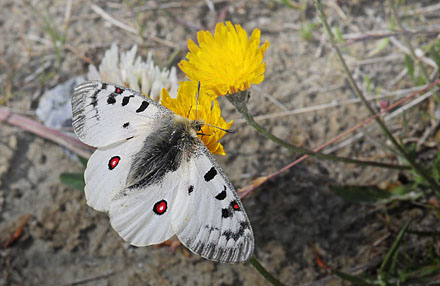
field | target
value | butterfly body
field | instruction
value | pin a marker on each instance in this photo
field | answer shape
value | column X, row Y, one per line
column 172, row 143
column 155, row 177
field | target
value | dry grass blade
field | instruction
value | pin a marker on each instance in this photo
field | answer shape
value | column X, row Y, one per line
column 56, row 136
column 98, row 10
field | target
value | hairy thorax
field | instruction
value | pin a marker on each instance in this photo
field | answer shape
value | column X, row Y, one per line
column 164, row 149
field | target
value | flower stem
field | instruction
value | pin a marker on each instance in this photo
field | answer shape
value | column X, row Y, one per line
column 239, row 102
column 358, row 92
column 269, row 277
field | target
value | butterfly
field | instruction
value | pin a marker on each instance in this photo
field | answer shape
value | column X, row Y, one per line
column 154, row 176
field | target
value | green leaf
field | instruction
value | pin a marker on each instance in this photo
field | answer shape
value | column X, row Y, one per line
column 436, row 167
column 293, row 5
column 409, row 64
column 388, row 261
column 350, row 278
column 338, row 35
column 420, row 80
column 379, row 47
column 367, row 81
column 83, row 161
column 307, row 31
column 373, row 194
column 424, row 271
column 434, row 52
column 74, row 180
column 361, row 194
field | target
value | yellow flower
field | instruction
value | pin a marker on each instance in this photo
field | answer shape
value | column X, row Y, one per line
column 208, row 112
column 227, row 62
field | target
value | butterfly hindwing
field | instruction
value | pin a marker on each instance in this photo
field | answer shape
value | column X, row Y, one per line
column 207, row 215
column 104, row 114
column 107, row 171
column 141, row 214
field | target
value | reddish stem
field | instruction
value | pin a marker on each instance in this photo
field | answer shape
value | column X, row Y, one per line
column 39, row 129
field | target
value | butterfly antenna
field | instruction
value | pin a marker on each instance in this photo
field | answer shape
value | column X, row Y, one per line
column 225, row 130
column 197, row 97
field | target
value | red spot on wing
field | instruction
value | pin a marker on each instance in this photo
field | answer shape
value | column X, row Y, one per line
column 114, row 161
column 236, row 207
column 160, row 207
column 118, row 90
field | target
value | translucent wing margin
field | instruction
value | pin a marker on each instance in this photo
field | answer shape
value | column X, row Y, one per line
column 104, row 113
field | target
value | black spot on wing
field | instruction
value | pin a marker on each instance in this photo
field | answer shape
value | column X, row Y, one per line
column 239, row 233
column 226, row 213
column 104, row 85
column 227, row 234
column 143, row 106
column 126, row 100
column 210, row 174
column 222, row 195
column 94, row 97
column 190, row 189
column 111, row 98
column 126, row 124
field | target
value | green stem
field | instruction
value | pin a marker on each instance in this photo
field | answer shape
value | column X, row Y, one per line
column 269, row 277
column 358, row 92
column 239, row 102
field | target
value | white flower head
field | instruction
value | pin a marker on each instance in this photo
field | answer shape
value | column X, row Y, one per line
column 132, row 72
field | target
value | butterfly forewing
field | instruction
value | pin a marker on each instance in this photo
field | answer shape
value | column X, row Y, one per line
column 104, row 114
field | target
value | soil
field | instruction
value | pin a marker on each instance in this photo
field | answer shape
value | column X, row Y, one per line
column 295, row 217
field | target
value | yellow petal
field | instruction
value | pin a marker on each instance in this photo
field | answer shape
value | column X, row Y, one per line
column 226, row 62
column 208, row 111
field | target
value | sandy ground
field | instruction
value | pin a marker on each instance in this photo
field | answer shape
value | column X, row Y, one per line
column 67, row 243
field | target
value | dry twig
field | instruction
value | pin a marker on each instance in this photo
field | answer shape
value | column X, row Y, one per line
column 18, row 232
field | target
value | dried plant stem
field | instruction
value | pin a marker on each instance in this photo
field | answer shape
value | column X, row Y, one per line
column 269, row 277
column 358, row 92
column 56, row 136
column 408, row 44
column 239, row 102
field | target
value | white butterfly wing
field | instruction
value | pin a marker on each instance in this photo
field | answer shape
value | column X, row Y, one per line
column 141, row 215
column 107, row 171
column 207, row 215
column 104, row 114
